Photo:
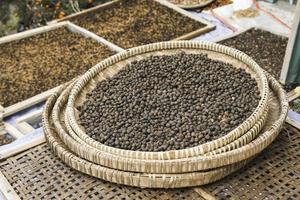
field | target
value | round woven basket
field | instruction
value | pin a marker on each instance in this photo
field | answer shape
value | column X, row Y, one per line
column 128, row 164
column 240, row 156
column 196, row 5
column 114, row 64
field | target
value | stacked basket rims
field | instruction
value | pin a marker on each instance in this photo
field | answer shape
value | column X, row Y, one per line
column 193, row 166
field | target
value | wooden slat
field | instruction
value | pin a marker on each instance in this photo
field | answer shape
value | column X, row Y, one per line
column 204, row 194
column 26, row 142
column 23, row 123
column 13, row 131
column 219, row 39
column 29, row 102
column 6, row 191
column 293, row 122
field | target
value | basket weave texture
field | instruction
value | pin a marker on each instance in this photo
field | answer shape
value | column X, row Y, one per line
column 38, row 174
column 172, row 169
column 112, row 65
column 274, row 174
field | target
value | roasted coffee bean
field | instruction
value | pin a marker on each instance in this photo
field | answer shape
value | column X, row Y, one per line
column 33, row 65
column 131, row 23
column 159, row 103
column 266, row 48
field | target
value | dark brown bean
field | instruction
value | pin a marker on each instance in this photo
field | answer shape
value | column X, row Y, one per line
column 33, row 65
column 154, row 120
column 132, row 23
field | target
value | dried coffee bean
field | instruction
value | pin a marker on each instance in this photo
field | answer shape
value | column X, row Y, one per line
column 266, row 48
column 130, row 23
column 33, row 65
column 172, row 106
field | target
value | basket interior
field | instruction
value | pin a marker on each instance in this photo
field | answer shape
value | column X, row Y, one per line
column 115, row 68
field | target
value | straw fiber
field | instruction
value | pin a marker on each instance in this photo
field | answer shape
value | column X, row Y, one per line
column 112, row 65
column 274, row 174
column 38, row 174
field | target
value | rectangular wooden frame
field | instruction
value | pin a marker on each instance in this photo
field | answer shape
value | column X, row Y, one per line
column 219, row 39
column 24, row 123
column 209, row 26
column 7, row 111
column 292, row 95
column 6, row 128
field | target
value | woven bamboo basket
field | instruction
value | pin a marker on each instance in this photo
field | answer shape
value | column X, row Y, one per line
column 201, row 4
column 114, row 64
column 121, row 163
column 239, row 157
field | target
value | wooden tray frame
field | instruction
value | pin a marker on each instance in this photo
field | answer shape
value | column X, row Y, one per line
column 209, row 26
column 219, row 39
column 6, row 190
column 6, row 128
column 24, row 123
column 292, row 95
column 7, row 111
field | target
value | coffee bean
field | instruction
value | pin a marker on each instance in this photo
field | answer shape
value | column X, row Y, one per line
column 33, row 65
column 154, row 120
column 266, row 48
column 131, row 23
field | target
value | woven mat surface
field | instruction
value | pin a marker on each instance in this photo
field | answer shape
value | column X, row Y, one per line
column 38, row 174
column 274, row 174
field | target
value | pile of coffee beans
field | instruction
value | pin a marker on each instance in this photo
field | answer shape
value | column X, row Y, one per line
column 131, row 23
column 169, row 102
column 33, row 65
column 266, row 48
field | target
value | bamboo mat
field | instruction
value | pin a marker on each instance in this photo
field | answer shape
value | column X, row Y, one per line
column 274, row 174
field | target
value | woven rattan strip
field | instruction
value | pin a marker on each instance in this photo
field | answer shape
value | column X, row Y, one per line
column 274, row 174
column 38, row 174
